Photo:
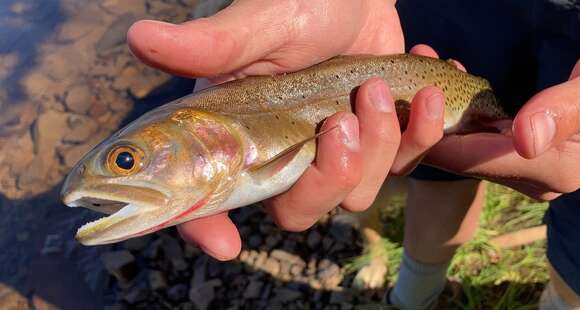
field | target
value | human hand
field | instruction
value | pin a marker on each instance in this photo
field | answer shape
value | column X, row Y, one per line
column 537, row 154
column 351, row 163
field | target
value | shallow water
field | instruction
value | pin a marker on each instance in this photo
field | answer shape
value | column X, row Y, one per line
column 67, row 80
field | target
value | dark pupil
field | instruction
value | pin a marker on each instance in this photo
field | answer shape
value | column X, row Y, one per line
column 125, row 160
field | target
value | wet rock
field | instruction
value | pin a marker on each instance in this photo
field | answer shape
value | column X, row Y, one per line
column 52, row 245
column 154, row 249
column 79, row 99
column 115, row 306
column 342, row 227
column 137, row 244
column 285, row 295
column 341, row 296
column 136, row 295
column 116, row 34
column 73, row 153
column 75, row 30
column 199, row 269
column 254, row 241
column 49, row 129
column 173, row 251
column 120, row 264
column 254, row 289
column 313, row 239
column 260, row 259
column 177, row 292
column 296, row 270
column 81, row 128
column 12, row 299
column 190, row 251
column 271, row 266
column 329, row 273
column 272, row 240
column 157, row 280
column 202, row 296
column 287, row 257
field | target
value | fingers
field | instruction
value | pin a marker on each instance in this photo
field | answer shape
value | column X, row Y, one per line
column 499, row 162
column 212, row 46
column 216, row 235
column 424, row 50
column 325, row 183
column 550, row 117
column 424, row 130
column 379, row 138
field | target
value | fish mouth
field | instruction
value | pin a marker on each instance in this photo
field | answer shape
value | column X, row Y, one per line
column 109, row 229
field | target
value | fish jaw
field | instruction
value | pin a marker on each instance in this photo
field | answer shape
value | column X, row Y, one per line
column 130, row 216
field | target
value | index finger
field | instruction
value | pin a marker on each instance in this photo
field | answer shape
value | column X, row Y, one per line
column 211, row 46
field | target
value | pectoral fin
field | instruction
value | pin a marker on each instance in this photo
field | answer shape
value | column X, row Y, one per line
column 265, row 170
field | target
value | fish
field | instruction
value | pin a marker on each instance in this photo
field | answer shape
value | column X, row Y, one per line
column 244, row 141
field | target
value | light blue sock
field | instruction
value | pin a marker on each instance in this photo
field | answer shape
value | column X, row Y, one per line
column 419, row 285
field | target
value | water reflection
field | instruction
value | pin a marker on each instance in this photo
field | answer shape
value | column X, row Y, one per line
column 67, row 80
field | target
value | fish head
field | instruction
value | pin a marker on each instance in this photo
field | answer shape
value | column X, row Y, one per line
column 161, row 170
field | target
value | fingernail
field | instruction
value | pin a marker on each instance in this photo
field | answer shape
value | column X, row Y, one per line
column 378, row 97
column 349, row 131
column 434, row 106
column 544, row 130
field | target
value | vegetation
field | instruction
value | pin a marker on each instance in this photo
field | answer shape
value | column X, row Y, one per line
column 482, row 276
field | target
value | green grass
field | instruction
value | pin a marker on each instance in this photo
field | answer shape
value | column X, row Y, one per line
column 490, row 278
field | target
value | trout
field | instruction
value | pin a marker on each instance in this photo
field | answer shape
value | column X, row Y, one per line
column 244, row 141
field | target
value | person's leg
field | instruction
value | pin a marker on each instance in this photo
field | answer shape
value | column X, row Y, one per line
column 440, row 216
column 562, row 220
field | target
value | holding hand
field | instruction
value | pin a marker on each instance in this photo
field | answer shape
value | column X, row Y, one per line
column 283, row 36
column 537, row 154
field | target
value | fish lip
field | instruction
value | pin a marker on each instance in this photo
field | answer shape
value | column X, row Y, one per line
column 118, row 207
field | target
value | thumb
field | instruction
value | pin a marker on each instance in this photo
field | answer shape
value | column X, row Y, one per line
column 240, row 34
column 550, row 117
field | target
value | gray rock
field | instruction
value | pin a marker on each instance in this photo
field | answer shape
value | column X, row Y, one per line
column 199, row 269
column 135, row 295
column 313, row 239
column 137, row 244
column 120, row 264
column 157, row 280
column 177, row 293
column 285, row 295
column 254, row 241
column 254, row 289
column 272, row 240
column 342, row 227
column 340, row 297
column 202, row 296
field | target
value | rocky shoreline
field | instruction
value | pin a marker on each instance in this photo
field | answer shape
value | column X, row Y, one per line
column 275, row 270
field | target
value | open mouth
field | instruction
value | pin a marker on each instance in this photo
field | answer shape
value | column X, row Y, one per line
column 117, row 210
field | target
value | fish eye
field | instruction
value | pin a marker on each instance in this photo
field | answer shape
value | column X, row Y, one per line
column 125, row 160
